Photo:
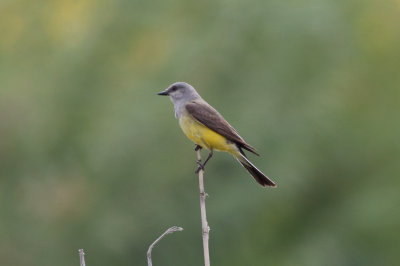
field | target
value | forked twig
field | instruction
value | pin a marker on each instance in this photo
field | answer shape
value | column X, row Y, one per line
column 169, row 231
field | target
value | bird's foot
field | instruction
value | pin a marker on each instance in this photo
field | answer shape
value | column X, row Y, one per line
column 198, row 147
column 201, row 167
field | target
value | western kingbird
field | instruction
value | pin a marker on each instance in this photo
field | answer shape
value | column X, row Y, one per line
column 202, row 124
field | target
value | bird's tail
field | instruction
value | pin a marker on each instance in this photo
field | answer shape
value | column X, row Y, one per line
column 262, row 179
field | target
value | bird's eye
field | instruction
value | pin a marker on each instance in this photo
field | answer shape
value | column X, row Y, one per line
column 174, row 88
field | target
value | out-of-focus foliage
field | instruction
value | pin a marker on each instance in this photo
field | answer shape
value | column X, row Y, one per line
column 91, row 158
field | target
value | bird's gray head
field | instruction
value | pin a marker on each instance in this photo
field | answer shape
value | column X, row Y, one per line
column 180, row 92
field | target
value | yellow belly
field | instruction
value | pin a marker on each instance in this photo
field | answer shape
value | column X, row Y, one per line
column 204, row 136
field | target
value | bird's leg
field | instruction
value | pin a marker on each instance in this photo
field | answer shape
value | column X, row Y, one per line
column 201, row 166
column 208, row 158
column 198, row 147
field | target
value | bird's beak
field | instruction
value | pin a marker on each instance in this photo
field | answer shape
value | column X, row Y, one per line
column 164, row 92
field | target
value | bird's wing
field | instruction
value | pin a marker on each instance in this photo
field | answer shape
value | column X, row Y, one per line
column 209, row 117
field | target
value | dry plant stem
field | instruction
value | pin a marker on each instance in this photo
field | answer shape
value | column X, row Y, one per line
column 82, row 257
column 169, row 231
column 204, row 224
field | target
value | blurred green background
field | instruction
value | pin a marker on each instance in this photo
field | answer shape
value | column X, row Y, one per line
column 91, row 157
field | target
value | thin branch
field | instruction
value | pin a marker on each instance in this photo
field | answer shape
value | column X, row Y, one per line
column 204, row 224
column 169, row 231
column 82, row 257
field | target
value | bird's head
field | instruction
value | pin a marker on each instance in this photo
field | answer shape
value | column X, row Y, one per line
column 180, row 92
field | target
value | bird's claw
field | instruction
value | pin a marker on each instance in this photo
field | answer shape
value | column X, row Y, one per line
column 201, row 167
column 198, row 147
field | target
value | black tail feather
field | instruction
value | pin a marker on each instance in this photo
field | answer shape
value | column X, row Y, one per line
column 248, row 147
column 262, row 179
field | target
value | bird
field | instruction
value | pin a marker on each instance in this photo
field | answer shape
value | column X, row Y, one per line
column 206, row 127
